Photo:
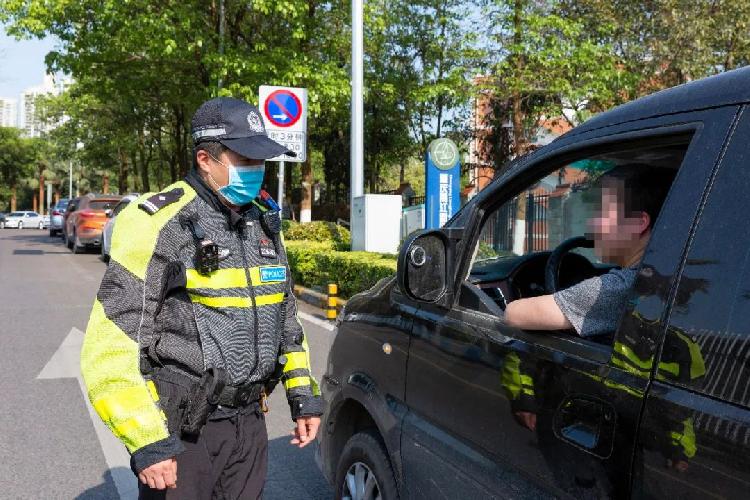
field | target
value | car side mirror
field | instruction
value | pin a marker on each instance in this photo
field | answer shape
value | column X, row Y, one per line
column 108, row 213
column 424, row 267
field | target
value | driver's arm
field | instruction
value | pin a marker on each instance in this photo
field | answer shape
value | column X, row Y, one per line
column 536, row 313
column 591, row 307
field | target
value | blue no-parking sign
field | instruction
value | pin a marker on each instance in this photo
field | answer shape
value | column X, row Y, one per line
column 442, row 181
column 284, row 112
column 283, row 108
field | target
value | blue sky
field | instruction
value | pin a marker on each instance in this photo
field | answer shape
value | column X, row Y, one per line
column 21, row 63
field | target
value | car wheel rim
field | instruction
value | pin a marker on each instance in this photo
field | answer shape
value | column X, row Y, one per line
column 360, row 484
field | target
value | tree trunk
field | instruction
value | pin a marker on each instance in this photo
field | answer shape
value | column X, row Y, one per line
column 105, row 184
column 520, row 243
column 13, row 198
column 145, row 180
column 516, row 109
column 180, row 136
column 122, row 177
column 402, row 173
column 305, row 205
column 41, row 194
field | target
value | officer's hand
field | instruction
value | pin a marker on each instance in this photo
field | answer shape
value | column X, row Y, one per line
column 305, row 431
column 160, row 475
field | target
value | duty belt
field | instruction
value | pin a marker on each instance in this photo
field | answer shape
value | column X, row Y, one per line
column 238, row 396
column 233, row 396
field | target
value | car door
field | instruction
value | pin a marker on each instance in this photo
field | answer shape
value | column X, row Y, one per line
column 695, row 435
column 496, row 411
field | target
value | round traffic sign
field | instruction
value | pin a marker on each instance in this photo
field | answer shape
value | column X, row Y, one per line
column 283, row 108
column 444, row 153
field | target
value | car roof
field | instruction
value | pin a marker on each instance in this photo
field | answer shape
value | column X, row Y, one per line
column 94, row 196
column 732, row 87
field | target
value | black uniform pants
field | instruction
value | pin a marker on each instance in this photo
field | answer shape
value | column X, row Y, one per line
column 228, row 461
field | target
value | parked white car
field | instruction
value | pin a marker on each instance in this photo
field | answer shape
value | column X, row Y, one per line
column 110, row 224
column 20, row 220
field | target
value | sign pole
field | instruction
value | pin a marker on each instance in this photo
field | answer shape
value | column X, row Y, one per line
column 280, row 196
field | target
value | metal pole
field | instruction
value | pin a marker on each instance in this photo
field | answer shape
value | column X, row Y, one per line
column 70, row 181
column 221, row 38
column 357, row 134
column 280, row 196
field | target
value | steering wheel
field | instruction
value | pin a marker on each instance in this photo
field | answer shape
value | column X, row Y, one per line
column 552, row 269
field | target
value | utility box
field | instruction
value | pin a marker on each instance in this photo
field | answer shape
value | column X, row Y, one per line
column 412, row 220
column 376, row 223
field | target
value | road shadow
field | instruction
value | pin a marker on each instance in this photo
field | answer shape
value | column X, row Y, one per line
column 293, row 473
column 107, row 489
column 44, row 240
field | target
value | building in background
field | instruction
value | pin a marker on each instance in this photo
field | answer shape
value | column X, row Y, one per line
column 481, row 158
column 34, row 122
column 8, row 112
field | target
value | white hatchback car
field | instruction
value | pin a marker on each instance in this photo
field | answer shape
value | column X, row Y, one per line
column 20, row 220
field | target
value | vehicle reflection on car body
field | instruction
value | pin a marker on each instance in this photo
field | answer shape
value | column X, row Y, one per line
column 462, row 405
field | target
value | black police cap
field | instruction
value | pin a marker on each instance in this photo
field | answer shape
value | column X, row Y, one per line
column 238, row 126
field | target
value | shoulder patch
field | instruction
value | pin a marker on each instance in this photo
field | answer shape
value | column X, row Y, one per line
column 158, row 201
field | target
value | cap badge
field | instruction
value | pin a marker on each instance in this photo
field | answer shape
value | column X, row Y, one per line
column 256, row 125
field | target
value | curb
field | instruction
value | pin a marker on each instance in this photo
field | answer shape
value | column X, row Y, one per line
column 316, row 298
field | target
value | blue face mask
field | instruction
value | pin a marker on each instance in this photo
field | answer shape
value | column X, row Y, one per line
column 244, row 185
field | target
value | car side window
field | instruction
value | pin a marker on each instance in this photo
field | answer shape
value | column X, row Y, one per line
column 561, row 210
column 707, row 343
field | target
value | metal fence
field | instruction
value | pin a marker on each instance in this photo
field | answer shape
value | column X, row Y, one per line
column 499, row 231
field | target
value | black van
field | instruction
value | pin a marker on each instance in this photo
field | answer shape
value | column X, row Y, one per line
column 431, row 395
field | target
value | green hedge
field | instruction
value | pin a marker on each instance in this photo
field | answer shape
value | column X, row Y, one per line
column 314, row 264
column 318, row 231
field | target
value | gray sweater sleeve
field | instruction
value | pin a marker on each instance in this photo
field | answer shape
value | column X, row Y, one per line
column 595, row 306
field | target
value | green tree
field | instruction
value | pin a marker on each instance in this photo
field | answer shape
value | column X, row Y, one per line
column 18, row 158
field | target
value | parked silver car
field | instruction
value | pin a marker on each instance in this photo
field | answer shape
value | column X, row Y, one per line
column 110, row 225
column 20, row 220
column 56, row 220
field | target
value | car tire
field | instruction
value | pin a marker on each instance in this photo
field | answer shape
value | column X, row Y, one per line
column 52, row 233
column 364, row 467
column 105, row 257
column 20, row 225
column 77, row 247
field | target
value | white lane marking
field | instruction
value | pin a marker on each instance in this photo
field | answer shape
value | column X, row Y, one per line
column 327, row 325
column 65, row 363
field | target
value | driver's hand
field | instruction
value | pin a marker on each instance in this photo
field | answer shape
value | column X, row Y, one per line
column 526, row 419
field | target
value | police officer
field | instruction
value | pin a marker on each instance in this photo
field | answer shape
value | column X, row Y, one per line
column 194, row 322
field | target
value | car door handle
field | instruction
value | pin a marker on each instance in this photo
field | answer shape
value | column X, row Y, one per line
column 586, row 423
